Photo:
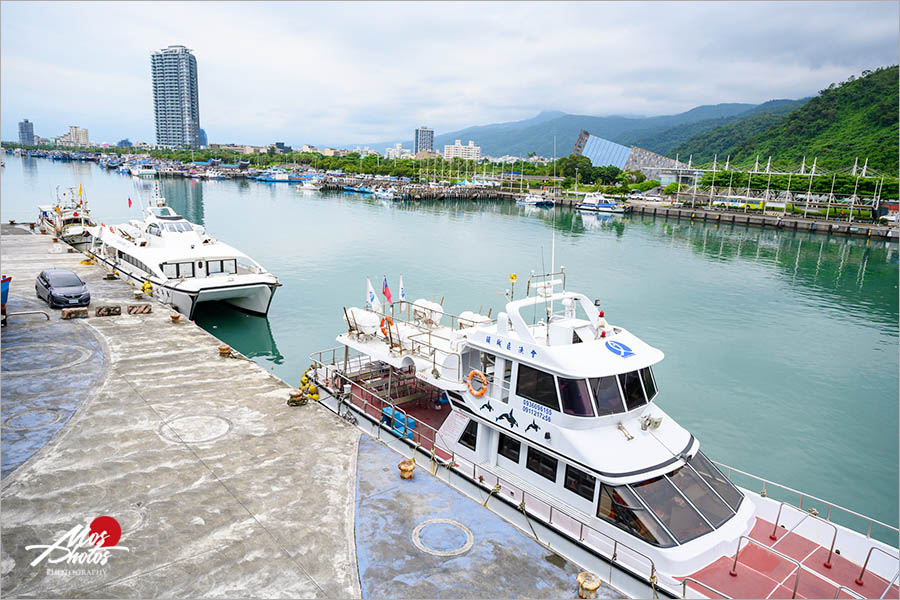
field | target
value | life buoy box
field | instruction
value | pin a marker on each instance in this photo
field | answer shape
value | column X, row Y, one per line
column 390, row 323
column 472, row 375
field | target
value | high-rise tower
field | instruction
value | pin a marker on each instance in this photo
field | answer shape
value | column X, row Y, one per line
column 176, row 103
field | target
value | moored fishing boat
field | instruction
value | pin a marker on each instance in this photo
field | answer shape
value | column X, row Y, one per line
column 69, row 218
column 535, row 200
column 557, row 417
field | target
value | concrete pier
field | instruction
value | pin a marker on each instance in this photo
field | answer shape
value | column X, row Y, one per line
column 220, row 488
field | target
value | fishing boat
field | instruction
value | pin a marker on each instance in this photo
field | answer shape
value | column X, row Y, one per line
column 215, row 174
column 535, row 200
column 68, row 218
column 277, row 176
column 311, row 185
column 597, row 202
column 144, row 171
column 184, row 265
column 386, row 194
column 551, row 413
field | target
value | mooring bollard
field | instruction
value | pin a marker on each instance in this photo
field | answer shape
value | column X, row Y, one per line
column 296, row 398
column 588, row 584
column 224, row 350
column 406, row 467
column 176, row 317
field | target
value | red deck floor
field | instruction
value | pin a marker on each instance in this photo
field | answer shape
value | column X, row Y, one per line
column 762, row 574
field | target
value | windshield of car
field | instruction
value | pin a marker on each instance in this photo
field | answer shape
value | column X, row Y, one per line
column 65, row 280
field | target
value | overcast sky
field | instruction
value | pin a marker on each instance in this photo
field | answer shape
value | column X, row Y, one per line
column 368, row 72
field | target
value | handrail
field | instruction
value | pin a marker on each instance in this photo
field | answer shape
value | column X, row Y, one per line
column 844, row 588
column 737, row 553
column 859, row 580
column 807, row 514
column 684, row 583
column 890, row 584
column 803, row 495
column 435, row 434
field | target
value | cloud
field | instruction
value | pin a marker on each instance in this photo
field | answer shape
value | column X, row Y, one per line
column 339, row 72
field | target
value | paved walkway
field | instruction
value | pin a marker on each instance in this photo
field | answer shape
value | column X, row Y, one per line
column 220, row 488
column 420, row 538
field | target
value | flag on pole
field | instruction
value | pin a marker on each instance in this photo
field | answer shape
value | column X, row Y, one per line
column 385, row 290
column 402, row 290
column 371, row 298
column 79, row 190
column 129, row 201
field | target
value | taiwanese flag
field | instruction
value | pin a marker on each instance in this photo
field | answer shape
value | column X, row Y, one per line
column 385, row 291
column 129, row 202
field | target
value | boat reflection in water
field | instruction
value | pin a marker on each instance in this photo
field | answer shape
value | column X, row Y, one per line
column 250, row 334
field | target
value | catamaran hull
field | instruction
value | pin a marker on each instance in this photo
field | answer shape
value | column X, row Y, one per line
column 253, row 298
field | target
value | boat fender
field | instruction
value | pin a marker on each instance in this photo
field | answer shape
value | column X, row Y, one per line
column 390, row 323
column 472, row 375
column 147, row 288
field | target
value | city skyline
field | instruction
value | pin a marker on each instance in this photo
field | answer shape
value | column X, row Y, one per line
column 507, row 63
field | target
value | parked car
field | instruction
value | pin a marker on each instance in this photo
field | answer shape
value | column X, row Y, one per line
column 61, row 287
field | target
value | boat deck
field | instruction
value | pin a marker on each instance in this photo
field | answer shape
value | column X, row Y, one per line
column 764, row 574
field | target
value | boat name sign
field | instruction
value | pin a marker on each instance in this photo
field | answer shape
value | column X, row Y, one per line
column 520, row 348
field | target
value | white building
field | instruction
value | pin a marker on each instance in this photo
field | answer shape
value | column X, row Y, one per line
column 397, row 151
column 457, row 150
column 176, row 105
column 76, row 137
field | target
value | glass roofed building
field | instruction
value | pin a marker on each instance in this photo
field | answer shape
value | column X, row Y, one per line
column 603, row 152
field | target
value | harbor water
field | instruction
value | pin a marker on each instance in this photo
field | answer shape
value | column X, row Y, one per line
column 781, row 347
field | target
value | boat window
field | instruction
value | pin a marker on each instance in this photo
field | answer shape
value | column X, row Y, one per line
column 711, row 506
column 542, row 464
column 469, row 436
column 621, row 507
column 716, row 480
column 575, row 397
column 671, row 508
column 631, row 389
column 580, row 482
column 213, row 267
column 153, row 229
column 186, row 269
column 607, row 396
column 537, row 386
column 170, row 270
column 509, row 448
column 649, row 383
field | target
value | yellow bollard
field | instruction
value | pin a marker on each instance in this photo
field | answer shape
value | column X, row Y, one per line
column 588, row 584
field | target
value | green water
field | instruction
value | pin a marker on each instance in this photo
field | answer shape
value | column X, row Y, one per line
column 781, row 348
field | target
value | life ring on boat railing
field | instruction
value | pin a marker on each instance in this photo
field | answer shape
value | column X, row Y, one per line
column 390, row 323
column 472, row 374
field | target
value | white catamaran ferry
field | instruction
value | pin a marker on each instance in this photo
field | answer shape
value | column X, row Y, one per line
column 183, row 264
column 551, row 411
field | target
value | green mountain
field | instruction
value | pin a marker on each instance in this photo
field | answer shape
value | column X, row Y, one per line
column 854, row 118
column 519, row 138
column 665, row 139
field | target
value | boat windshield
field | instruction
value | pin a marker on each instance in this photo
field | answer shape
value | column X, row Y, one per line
column 178, row 226
column 670, row 507
column 163, row 211
column 620, row 506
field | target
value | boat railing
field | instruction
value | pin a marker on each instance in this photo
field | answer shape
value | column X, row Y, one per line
column 830, row 506
column 806, row 515
column 685, row 581
column 859, row 580
column 844, row 588
column 335, row 374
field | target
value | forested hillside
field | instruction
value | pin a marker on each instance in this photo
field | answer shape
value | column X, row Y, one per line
column 854, row 118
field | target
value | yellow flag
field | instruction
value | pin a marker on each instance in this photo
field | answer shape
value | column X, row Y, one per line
column 79, row 190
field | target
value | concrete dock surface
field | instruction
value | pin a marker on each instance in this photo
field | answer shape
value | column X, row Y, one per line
column 220, row 488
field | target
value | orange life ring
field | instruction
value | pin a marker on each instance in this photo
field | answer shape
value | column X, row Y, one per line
column 390, row 323
column 484, row 383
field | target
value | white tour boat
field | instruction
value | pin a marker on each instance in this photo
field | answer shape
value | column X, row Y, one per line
column 183, row 264
column 143, row 171
column 553, row 415
column 597, row 202
column 68, row 218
